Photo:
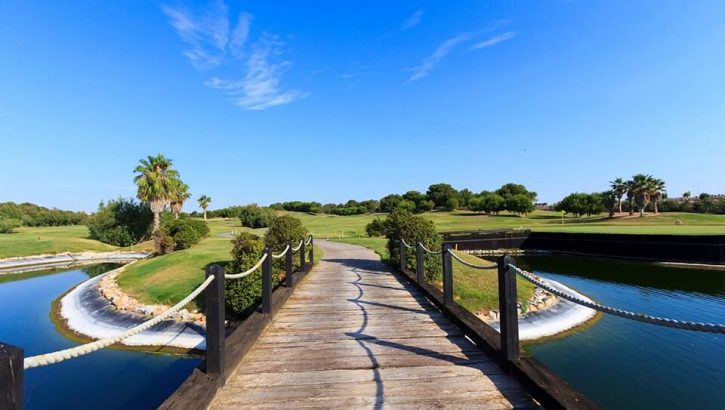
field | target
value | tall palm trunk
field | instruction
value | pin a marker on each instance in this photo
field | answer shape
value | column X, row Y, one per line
column 619, row 203
column 157, row 207
column 205, row 214
column 631, row 206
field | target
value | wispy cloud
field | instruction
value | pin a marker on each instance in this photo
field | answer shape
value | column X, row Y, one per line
column 413, row 20
column 500, row 38
column 213, row 42
column 434, row 58
column 259, row 89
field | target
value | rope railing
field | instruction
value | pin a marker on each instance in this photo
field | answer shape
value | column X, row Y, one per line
column 248, row 271
column 281, row 254
column 469, row 264
column 309, row 240
column 299, row 246
column 430, row 251
column 641, row 317
column 406, row 244
column 61, row 355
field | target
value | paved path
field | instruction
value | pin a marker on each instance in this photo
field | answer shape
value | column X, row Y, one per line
column 355, row 336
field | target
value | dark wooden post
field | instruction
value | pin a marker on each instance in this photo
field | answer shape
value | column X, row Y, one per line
column 267, row 282
column 447, row 276
column 215, row 333
column 288, row 266
column 312, row 249
column 419, row 263
column 11, row 377
column 508, row 312
column 402, row 255
column 302, row 255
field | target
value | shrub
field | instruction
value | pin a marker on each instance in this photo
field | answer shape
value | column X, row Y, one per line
column 254, row 216
column 425, row 206
column 8, row 225
column 242, row 295
column 121, row 222
column 282, row 230
column 34, row 215
column 163, row 242
column 375, row 228
column 414, row 229
column 186, row 232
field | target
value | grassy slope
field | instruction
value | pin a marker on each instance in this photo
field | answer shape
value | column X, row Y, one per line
column 167, row 279
column 26, row 241
column 342, row 227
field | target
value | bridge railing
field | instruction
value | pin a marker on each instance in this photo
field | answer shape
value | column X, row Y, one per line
column 13, row 363
column 552, row 391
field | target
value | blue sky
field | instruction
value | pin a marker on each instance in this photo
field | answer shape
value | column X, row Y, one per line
column 263, row 101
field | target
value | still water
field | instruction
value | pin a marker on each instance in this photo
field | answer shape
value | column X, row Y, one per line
column 623, row 364
column 109, row 379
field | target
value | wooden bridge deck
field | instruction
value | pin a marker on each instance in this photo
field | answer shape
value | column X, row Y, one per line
column 355, row 336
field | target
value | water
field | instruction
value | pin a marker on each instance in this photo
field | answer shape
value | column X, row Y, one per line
column 620, row 363
column 109, row 379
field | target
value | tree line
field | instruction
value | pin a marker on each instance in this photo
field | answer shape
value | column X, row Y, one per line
column 35, row 215
column 637, row 194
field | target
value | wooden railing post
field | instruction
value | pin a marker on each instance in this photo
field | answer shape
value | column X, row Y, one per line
column 11, row 377
column 312, row 249
column 215, row 332
column 508, row 311
column 402, row 255
column 447, row 276
column 302, row 255
column 419, row 263
column 267, row 282
column 288, row 266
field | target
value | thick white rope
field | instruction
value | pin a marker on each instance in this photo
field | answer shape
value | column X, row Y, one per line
column 296, row 248
column 281, row 254
column 309, row 240
column 406, row 244
column 248, row 271
column 472, row 265
column 430, row 251
column 641, row 317
column 61, row 355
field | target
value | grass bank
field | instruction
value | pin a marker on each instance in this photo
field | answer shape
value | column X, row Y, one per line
column 168, row 278
column 28, row 241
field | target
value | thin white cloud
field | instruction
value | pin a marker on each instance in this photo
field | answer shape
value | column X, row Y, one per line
column 260, row 87
column 428, row 63
column 413, row 20
column 500, row 38
column 210, row 40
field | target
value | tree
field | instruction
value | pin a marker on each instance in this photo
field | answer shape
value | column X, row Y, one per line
column 656, row 190
column 520, row 204
column 619, row 188
column 491, row 203
column 509, row 190
column 254, row 216
column 390, row 202
column 180, row 195
column 573, row 204
column 641, row 186
column 687, row 195
column 464, row 197
column 157, row 183
column 441, row 194
column 204, row 202
column 425, row 205
column 120, row 222
column 610, row 202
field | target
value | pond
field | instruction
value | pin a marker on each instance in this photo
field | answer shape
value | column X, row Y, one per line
column 109, row 379
column 620, row 363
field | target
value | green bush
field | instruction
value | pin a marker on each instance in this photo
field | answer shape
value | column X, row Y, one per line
column 34, row 215
column 186, row 232
column 121, row 222
column 414, row 229
column 243, row 295
column 8, row 225
column 254, row 216
column 163, row 242
column 375, row 228
column 282, row 230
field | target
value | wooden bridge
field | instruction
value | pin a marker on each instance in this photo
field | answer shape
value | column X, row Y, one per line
column 354, row 334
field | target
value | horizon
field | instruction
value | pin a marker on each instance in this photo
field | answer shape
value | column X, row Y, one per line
column 362, row 100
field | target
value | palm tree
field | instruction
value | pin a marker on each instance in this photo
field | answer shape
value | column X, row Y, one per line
column 687, row 196
column 630, row 196
column 157, row 183
column 619, row 188
column 656, row 188
column 641, row 184
column 180, row 196
column 204, row 202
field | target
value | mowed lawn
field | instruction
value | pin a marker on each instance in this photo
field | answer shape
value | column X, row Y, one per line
column 342, row 227
column 27, row 241
column 168, row 278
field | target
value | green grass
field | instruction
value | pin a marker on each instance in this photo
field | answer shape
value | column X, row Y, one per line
column 477, row 289
column 346, row 227
column 27, row 241
column 168, row 278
